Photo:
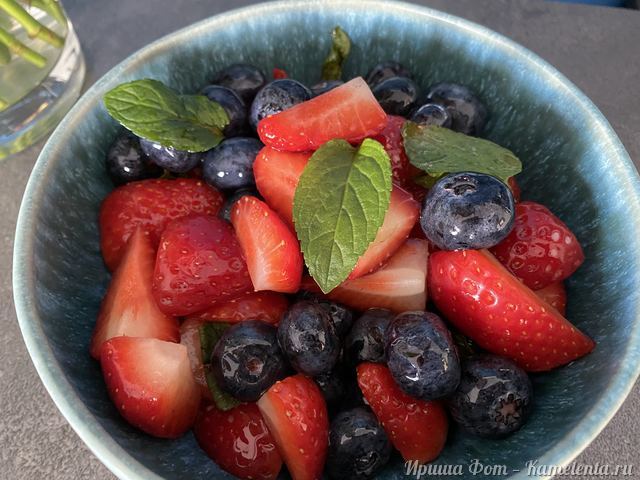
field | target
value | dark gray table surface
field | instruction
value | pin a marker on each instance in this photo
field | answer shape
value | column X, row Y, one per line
column 597, row 48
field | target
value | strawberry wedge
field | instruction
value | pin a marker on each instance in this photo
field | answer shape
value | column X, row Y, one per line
column 349, row 111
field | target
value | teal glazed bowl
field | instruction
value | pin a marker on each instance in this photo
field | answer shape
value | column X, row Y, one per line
column 573, row 162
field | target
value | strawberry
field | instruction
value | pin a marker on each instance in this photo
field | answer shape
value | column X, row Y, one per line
column 238, row 441
column 199, row 263
column 349, row 111
column 540, row 250
column 190, row 338
column 555, row 295
column 128, row 307
column 399, row 220
column 278, row 73
column 391, row 140
column 266, row 306
column 515, row 188
column 501, row 314
column 277, row 174
column 416, row 428
column 150, row 383
column 150, row 204
column 271, row 249
column 296, row 415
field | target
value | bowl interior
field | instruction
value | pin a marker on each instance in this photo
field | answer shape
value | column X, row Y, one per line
column 572, row 163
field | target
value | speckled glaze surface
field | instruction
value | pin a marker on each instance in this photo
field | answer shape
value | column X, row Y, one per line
column 573, row 162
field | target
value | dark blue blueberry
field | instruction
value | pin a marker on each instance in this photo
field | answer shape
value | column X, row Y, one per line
column 421, row 355
column 333, row 387
column 468, row 114
column 229, row 166
column 126, row 162
column 230, row 200
column 358, row 446
column 245, row 80
column 467, row 211
column 494, row 397
column 396, row 95
column 431, row 114
column 276, row 97
column 175, row 161
column 324, row 86
column 385, row 70
column 232, row 104
column 341, row 316
column 308, row 339
column 246, row 361
column 365, row 341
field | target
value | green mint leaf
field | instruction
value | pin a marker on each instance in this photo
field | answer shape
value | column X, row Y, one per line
column 152, row 110
column 428, row 181
column 339, row 205
column 223, row 400
column 340, row 48
column 210, row 333
column 437, row 150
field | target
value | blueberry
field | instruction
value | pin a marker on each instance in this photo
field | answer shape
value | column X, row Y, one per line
column 468, row 114
column 176, row 161
column 126, row 162
column 229, row 166
column 358, row 446
column 467, row 211
column 324, row 86
column 245, row 80
column 385, row 70
column 232, row 104
column 421, row 355
column 246, row 361
column 276, row 97
column 431, row 114
column 396, row 95
column 225, row 211
column 494, row 397
column 341, row 316
column 308, row 338
column 333, row 387
column 365, row 341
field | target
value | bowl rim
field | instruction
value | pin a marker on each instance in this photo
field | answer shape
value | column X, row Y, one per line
column 97, row 439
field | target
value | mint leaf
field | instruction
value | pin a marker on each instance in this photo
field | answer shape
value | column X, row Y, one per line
column 340, row 48
column 428, row 181
column 210, row 333
column 438, row 150
column 223, row 400
column 339, row 205
column 152, row 110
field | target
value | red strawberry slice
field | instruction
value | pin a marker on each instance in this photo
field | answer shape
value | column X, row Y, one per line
column 199, row 263
column 278, row 74
column 416, row 428
column 540, row 250
column 349, row 111
column 190, row 338
column 515, row 188
column 150, row 204
column 398, row 222
column 265, row 306
column 555, row 295
column 391, row 140
column 128, row 307
column 498, row 312
column 150, row 383
column 271, row 249
column 238, row 441
column 296, row 415
column 277, row 174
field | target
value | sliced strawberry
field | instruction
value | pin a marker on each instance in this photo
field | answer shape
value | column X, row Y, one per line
column 199, row 263
column 271, row 249
column 498, row 312
column 238, row 441
column 296, row 415
column 391, row 140
column 416, row 428
column 349, row 111
column 555, row 295
column 150, row 204
column 128, row 307
column 398, row 222
column 515, row 188
column 417, row 191
column 265, row 306
column 278, row 74
column 150, row 383
column 190, row 338
column 277, row 174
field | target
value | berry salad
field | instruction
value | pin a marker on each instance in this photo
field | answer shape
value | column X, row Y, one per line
column 314, row 277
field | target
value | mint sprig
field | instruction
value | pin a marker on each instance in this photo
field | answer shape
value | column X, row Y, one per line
column 210, row 333
column 154, row 111
column 437, row 150
column 339, row 205
column 340, row 48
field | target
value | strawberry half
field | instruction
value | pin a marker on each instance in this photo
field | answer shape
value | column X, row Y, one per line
column 498, row 312
column 238, row 441
column 128, row 307
column 150, row 383
column 296, row 414
column 265, row 306
column 391, row 140
column 150, row 205
column 416, row 428
column 555, row 295
column 271, row 249
column 349, row 111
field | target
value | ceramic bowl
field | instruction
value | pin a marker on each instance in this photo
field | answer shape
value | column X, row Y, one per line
column 573, row 162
